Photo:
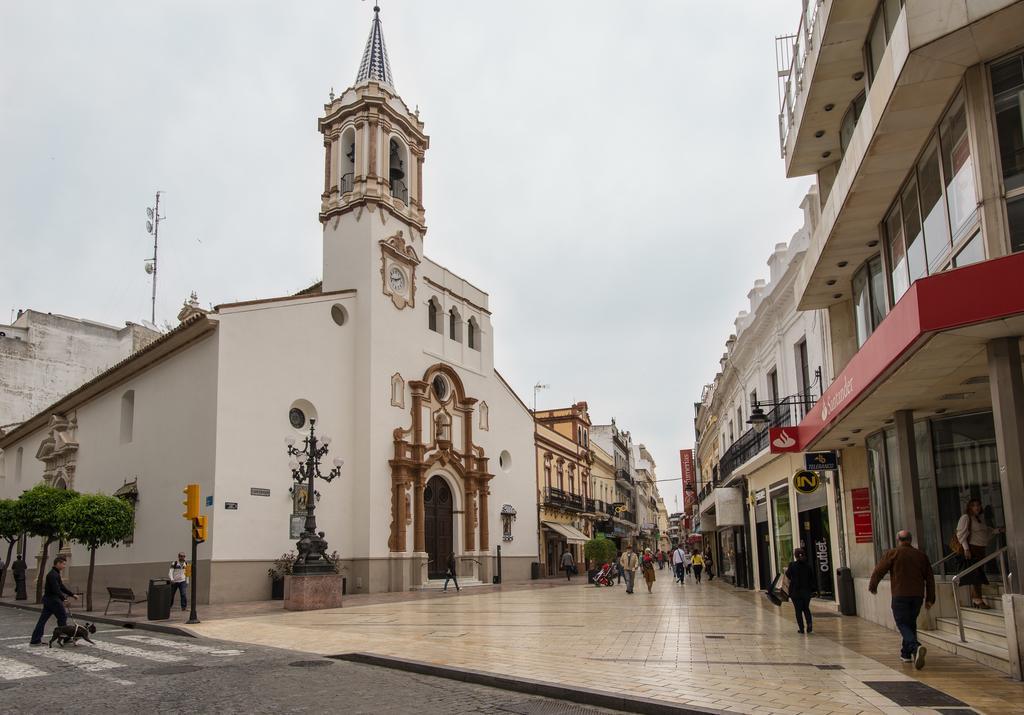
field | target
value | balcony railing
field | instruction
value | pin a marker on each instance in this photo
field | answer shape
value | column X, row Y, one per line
column 752, row 442
column 563, row 499
column 624, row 475
column 791, row 53
column 345, row 185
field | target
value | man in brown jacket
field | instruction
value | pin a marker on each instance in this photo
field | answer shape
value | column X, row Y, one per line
column 913, row 583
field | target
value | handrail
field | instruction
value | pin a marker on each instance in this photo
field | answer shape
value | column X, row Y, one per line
column 956, row 582
column 943, row 560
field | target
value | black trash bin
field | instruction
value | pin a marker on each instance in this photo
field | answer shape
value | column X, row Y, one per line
column 158, row 599
column 535, row 570
column 847, row 595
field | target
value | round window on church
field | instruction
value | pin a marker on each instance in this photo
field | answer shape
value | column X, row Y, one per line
column 297, row 418
column 440, row 386
column 300, row 413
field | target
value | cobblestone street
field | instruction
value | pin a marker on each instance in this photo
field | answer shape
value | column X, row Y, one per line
column 707, row 646
column 129, row 671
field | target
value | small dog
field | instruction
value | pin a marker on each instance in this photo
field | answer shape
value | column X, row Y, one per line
column 71, row 633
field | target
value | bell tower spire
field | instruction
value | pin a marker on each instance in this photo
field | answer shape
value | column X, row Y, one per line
column 375, row 63
column 374, row 146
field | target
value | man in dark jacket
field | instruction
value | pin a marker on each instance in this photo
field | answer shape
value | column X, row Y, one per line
column 912, row 583
column 53, row 600
column 19, row 567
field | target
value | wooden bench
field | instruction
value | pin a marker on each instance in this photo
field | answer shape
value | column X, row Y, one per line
column 122, row 595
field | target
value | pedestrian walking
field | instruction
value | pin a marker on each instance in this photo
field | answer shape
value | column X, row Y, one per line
column 568, row 564
column 178, row 574
column 449, row 574
column 912, row 583
column 661, row 559
column 629, row 563
column 618, row 566
column 687, row 562
column 679, row 563
column 709, row 564
column 698, row 565
column 54, row 595
column 802, row 585
column 973, row 534
column 647, row 565
column 19, row 567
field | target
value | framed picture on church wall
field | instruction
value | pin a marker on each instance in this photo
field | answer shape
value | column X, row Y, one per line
column 295, row 526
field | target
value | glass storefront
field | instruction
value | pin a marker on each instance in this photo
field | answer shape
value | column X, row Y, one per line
column 816, row 538
column 783, row 523
column 957, row 462
column 726, row 566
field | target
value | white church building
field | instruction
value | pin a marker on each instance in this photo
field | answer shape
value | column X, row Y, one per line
column 392, row 355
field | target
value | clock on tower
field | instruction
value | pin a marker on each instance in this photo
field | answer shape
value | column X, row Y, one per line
column 398, row 263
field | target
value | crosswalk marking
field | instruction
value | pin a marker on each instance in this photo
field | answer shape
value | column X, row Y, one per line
column 16, row 670
column 187, row 647
column 76, row 658
column 121, row 649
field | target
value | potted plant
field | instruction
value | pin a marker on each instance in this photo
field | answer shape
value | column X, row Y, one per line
column 282, row 567
column 598, row 551
column 335, row 560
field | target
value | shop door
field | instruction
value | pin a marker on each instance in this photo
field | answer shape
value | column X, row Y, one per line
column 815, row 540
column 764, row 563
column 437, row 525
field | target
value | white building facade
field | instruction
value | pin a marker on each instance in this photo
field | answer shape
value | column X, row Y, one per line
column 391, row 355
column 778, row 361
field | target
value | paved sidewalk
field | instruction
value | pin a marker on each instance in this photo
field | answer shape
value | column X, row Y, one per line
column 709, row 646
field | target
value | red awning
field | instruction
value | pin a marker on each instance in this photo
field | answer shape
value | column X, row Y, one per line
column 982, row 293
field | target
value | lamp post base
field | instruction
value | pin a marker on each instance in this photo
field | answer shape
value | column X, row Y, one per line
column 311, row 592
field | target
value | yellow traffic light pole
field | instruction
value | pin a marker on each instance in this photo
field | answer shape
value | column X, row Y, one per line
column 198, row 520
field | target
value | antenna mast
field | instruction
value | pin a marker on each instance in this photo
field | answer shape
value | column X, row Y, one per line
column 153, row 226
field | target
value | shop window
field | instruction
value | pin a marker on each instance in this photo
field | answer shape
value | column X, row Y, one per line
column 783, row 523
column 933, row 214
column 881, row 515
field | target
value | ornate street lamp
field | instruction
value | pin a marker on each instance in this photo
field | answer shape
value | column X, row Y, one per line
column 305, row 466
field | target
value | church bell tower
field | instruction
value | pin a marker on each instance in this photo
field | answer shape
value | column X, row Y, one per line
column 373, row 170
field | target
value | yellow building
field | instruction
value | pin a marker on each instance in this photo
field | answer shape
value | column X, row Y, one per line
column 564, row 501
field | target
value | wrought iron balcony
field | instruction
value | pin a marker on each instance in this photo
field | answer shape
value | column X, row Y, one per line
column 624, row 476
column 752, row 442
column 563, row 500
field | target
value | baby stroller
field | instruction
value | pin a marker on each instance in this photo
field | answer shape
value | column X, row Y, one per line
column 605, row 576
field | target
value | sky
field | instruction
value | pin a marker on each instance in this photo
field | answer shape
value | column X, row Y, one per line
column 608, row 172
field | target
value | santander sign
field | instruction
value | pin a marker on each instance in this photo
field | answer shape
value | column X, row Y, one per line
column 836, row 400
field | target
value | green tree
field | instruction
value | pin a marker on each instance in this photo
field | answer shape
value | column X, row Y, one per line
column 38, row 509
column 95, row 520
column 10, row 531
column 600, row 550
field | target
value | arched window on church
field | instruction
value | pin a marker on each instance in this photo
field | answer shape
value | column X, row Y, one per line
column 348, row 160
column 455, row 325
column 398, row 160
column 473, row 334
column 434, row 315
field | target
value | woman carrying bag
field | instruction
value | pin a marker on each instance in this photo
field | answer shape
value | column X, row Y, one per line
column 971, row 541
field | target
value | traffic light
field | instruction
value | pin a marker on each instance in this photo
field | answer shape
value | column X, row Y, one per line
column 199, row 529
column 191, row 502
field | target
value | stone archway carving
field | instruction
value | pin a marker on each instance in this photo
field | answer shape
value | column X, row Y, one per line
column 441, row 433
column 59, row 452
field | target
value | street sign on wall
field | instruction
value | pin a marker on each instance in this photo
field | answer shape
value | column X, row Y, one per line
column 863, row 528
column 821, row 461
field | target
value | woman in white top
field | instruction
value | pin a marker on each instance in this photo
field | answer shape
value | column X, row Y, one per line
column 974, row 533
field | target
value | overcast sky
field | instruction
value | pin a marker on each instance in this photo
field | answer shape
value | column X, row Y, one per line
column 608, row 172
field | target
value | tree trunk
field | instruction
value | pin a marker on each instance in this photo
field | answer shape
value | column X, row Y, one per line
column 42, row 570
column 7, row 563
column 88, row 588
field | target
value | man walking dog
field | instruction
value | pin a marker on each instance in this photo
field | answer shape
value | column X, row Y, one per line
column 54, row 595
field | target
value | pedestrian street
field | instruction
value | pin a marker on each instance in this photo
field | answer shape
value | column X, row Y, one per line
column 706, row 645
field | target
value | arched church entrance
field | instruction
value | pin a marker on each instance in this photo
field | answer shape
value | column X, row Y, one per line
column 438, row 525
